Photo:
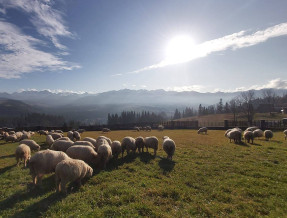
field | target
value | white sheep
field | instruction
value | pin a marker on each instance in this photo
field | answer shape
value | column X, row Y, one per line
column 69, row 171
column 45, row 162
column 151, row 142
column 168, row 146
column 92, row 140
column 85, row 153
column 106, row 130
column 268, row 134
column 84, row 143
column 202, row 130
column 140, row 144
column 56, row 135
column 26, row 135
column 23, row 152
column 49, row 140
column 98, row 141
column 116, row 148
column 77, row 135
column 258, row 133
column 248, row 135
column 70, row 135
column 64, row 139
column 11, row 138
column 19, row 135
column 235, row 135
column 60, row 145
column 104, row 152
column 59, row 131
column 160, row 127
column 128, row 143
column 31, row 143
column 285, row 133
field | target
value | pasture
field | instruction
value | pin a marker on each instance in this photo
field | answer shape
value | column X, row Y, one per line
column 209, row 176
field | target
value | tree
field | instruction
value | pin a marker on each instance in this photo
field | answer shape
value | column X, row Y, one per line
column 177, row 114
column 246, row 99
column 234, row 108
column 269, row 97
column 226, row 108
column 219, row 108
column 200, row 110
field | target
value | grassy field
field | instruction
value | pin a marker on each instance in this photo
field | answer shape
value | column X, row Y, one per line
column 208, row 177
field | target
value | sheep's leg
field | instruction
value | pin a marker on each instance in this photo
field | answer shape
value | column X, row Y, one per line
column 39, row 178
column 25, row 162
column 34, row 177
column 63, row 186
column 58, row 180
column 18, row 162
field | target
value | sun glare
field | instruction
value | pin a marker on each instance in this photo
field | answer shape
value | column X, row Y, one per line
column 180, row 49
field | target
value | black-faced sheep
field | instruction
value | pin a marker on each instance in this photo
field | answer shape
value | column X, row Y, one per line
column 23, row 152
column 168, row 146
column 44, row 162
column 151, row 142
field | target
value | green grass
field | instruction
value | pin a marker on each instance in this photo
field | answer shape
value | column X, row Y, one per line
column 209, row 177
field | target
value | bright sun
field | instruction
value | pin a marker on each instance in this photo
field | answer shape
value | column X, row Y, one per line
column 180, row 49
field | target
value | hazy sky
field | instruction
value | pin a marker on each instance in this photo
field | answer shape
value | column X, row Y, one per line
column 96, row 46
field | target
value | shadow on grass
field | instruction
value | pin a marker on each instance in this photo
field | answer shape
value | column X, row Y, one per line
column 115, row 163
column 256, row 144
column 241, row 143
column 7, row 156
column 31, row 192
column 3, row 170
column 146, row 157
column 166, row 164
column 39, row 208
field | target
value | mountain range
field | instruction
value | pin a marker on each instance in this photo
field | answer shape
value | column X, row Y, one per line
column 90, row 108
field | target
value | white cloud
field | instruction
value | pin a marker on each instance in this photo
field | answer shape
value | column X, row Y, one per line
column 20, row 55
column 48, row 21
column 197, row 88
column 56, row 91
column 234, row 41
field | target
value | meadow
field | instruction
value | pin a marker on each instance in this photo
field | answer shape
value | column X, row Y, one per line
column 208, row 177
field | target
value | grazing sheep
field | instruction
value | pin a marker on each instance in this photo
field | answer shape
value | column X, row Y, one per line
column 98, row 141
column 168, row 146
column 160, row 127
column 106, row 130
column 116, row 148
column 147, row 128
column 43, row 132
column 25, row 135
column 89, row 139
column 11, row 132
column 64, row 139
column 85, row 143
column 248, row 135
column 84, row 153
column 19, row 135
column 235, row 135
column 59, row 131
column 151, row 142
column 69, row 171
column 77, row 135
column 136, row 128
column 70, row 135
column 140, row 144
column 268, row 134
column 202, row 130
column 49, row 140
column 56, row 135
column 226, row 132
column 258, row 133
column 23, row 152
column 128, row 143
column 60, row 145
column 31, row 143
column 104, row 152
column 285, row 133
column 252, row 128
column 45, row 162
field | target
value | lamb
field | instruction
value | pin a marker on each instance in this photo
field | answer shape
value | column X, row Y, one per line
column 235, row 135
column 168, row 146
column 23, row 152
column 45, row 162
column 77, row 135
column 285, row 133
column 268, row 134
column 85, row 143
column 49, row 140
column 248, row 135
column 202, row 130
column 128, row 143
column 56, row 135
column 258, row 133
column 31, row 143
column 89, row 139
column 11, row 138
column 116, row 148
column 104, row 152
column 60, row 145
column 252, row 128
column 70, row 135
column 140, row 144
column 84, row 153
column 98, row 141
column 151, row 142
column 69, row 171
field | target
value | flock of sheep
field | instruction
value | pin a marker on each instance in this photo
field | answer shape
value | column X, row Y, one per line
column 72, row 159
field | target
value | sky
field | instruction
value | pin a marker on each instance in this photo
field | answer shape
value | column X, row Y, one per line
column 96, row 46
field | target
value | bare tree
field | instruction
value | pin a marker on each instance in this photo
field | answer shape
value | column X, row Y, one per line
column 269, row 97
column 246, row 99
column 234, row 108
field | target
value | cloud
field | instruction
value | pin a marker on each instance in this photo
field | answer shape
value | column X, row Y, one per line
column 19, row 54
column 48, row 21
column 234, row 41
column 197, row 88
column 56, row 91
